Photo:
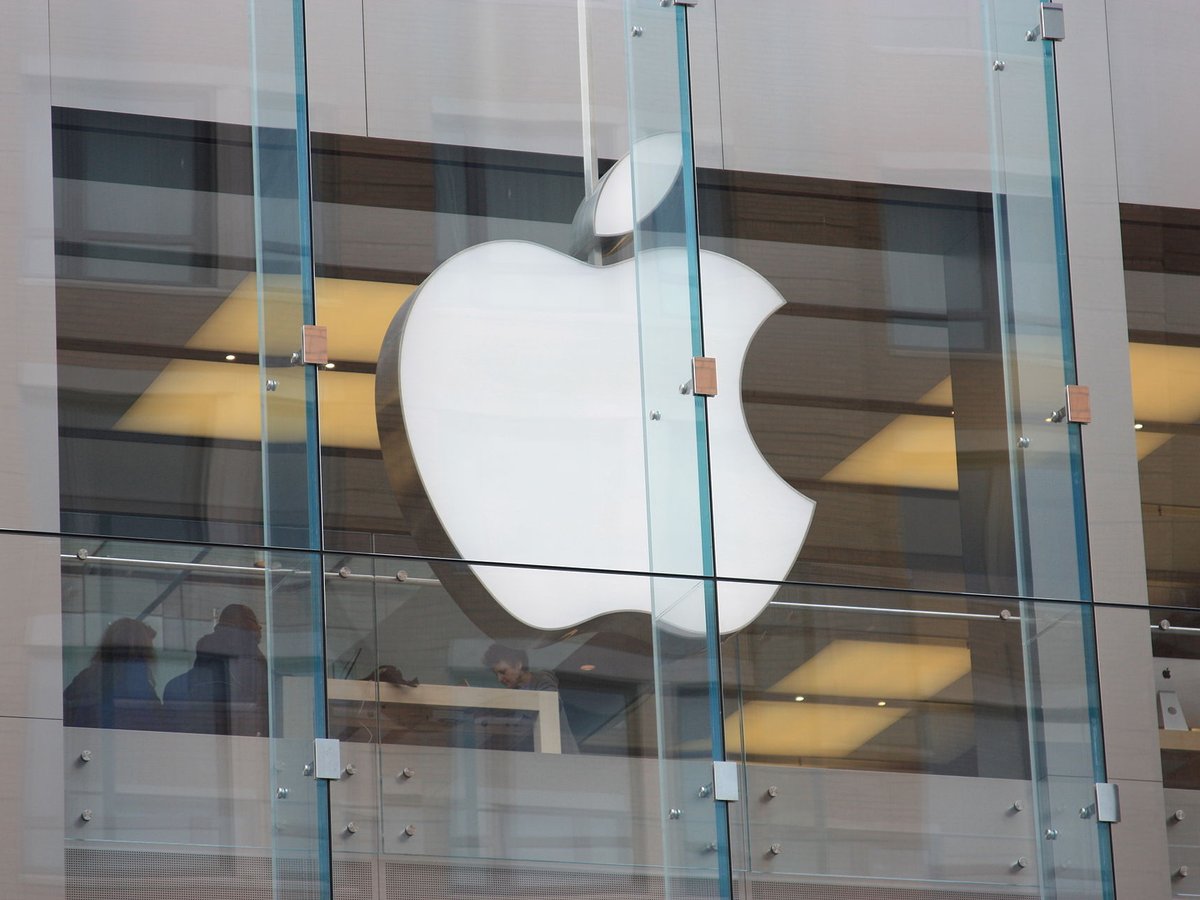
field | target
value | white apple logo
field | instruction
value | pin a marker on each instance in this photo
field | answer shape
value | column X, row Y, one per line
column 511, row 420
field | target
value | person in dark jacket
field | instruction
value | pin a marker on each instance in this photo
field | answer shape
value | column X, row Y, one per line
column 116, row 690
column 515, row 731
column 225, row 690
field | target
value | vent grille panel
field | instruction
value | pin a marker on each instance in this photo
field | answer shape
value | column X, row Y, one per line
column 103, row 873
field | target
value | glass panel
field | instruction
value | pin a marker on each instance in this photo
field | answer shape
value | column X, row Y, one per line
column 887, row 737
column 1051, row 546
column 1161, row 246
column 481, row 172
column 878, row 363
column 493, row 751
column 1175, row 638
column 290, row 456
column 284, row 275
column 158, row 392
column 1031, row 265
column 188, row 709
column 679, row 505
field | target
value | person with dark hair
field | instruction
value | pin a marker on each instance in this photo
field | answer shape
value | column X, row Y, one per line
column 515, row 732
column 511, row 668
column 225, row 690
column 116, row 690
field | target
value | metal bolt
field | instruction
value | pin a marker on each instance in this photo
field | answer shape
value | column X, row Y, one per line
column 685, row 388
column 1052, row 834
column 272, row 384
column 636, row 31
column 1164, row 625
column 81, row 554
column 675, row 813
column 86, row 815
column 349, row 770
column 772, row 791
column 704, row 791
column 1181, row 872
column 410, row 830
column 1018, row 806
column 1178, row 815
column 655, row 415
column 308, row 768
column 1005, row 615
column 1021, row 863
column 710, row 847
column 998, row 65
column 775, row 849
column 85, row 756
column 295, row 357
column 282, row 793
column 1031, row 35
column 344, row 572
column 1085, row 812
column 402, row 575
column 351, row 828
column 406, row 773
column 1023, row 442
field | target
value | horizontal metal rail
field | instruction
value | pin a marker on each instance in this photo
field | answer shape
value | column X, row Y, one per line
column 344, row 573
column 1004, row 615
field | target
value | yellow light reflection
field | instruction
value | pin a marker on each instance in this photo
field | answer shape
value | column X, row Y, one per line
column 807, row 729
column 875, row 669
column 910, row 451
column 216, row 400
column 221, row 401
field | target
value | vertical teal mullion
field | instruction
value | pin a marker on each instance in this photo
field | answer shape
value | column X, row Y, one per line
column 691, row 228
column 284, row 247
column 312, row 445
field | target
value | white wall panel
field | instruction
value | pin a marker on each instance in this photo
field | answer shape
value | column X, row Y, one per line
column 31, row 792
column 865, row 90
column 172, row 58
column 337, row 90
column 28, row 388
column 1155, row 70
column 492, row 73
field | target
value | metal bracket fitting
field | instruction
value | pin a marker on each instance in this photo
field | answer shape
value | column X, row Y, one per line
column 725, row 781
column 327, row 759
column 1079, row 403
column 1108, row 802
column 679, row 2
column 314, row 345
column 704, row 376
column 1054, row 26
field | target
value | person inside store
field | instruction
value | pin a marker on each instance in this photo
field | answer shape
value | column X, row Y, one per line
column 225, row 690
column 117, row 690
column 515, row 731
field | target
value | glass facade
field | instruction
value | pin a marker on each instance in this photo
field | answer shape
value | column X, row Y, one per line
column 610, row 449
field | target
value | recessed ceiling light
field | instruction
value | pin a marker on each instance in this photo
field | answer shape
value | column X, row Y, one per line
column 230, row 357
column 586, row 667
column 881, row 703
column 330, row 365
column 799, row 699
column 1138, row 426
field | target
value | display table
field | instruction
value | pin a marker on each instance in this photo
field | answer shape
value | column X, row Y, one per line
column 547, row 737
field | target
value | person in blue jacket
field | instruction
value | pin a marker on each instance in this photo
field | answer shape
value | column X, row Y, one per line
column 116, row 690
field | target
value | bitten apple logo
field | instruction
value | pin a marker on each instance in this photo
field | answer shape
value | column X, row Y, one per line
column 513, row 428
